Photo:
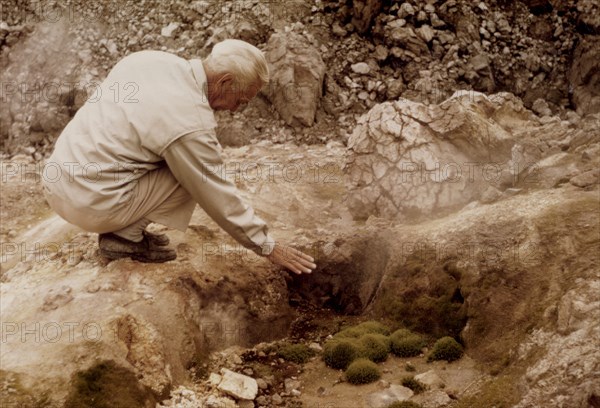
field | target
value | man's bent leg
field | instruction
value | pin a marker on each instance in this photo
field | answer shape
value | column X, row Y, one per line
column 135, row 231
column 157, row 197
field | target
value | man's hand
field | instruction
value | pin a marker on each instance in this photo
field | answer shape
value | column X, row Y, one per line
column 292, row 259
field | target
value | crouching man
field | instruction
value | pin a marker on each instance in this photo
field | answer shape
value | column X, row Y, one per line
column 143, row 149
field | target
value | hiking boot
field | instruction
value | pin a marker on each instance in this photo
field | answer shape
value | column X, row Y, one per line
column 115, row 247
column 157, row 239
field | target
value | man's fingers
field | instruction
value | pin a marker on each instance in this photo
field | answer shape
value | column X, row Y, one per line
column 293, row 268
column 301, row 254
column 293, row 259
column 304, row 265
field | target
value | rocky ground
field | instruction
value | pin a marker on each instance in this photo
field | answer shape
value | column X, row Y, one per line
column 473, row 214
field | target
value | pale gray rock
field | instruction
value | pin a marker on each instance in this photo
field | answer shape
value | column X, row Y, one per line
column 406, row 38
column 262, row 384
column 540, row 107
column 425, row 32
column 168, row 30
column 432, row 399
column 381, row 52
column 238, row 385
column 382, row 399
column 291, row 384
column 360, row 68
column 430, row 378
column 276, row 398
column 214, row 379
column 220, row 402
column 586, row 179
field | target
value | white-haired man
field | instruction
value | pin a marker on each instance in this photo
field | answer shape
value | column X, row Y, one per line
column 144, row 149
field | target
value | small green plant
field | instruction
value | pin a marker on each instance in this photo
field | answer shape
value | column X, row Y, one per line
column 401, row 333
column 296, row 353
column 339, row 353
column 362, row 371
column 409, row 367
column 374, row 347
column 405, row 343
column 447, row 349
column 414, row 384
column 404, row 404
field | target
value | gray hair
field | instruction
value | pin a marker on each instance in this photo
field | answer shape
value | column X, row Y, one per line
column 244, row 61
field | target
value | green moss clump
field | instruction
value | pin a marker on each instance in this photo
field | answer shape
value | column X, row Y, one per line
column 415, row 385
column 296, row 353
column 405, row 343
column 401, row 333
column 362, row 371
column 404, row 404
column 339, row 353
column 447, row 349
column 107, row 385
column 374, row 327
column 375, row 347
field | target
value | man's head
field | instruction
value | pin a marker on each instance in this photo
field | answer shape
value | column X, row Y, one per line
column 235, row 72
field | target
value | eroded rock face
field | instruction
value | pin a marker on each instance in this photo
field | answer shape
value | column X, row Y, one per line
column 568, row 353
column 297, row 73
column 585, row 76
column 364, row 12
column 412, row 160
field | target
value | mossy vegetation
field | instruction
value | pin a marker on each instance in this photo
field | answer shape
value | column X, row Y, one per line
column 362, row 371
column 447, row 349
column 107, row 385
column 405, row 343
column 370, row 340
column 414, row 384
column 375, row 347
column 339, row 353
column 424, row 295
column 296, row 353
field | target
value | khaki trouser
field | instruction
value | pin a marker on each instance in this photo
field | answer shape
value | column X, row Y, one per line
column 157, row 197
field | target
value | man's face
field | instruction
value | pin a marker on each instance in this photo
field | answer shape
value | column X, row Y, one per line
column 228, row 96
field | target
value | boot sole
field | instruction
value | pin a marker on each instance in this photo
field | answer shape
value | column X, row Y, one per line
column 136, row 257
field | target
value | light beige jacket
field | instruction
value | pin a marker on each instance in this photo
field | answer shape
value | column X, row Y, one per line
column 152, row 108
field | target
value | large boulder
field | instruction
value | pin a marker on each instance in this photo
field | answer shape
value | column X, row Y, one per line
column 297, row 73
column 410, row 160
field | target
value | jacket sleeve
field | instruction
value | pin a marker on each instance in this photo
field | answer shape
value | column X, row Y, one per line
column 195, row 161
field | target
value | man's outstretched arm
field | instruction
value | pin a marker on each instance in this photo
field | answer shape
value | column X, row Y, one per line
column 195, row 161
